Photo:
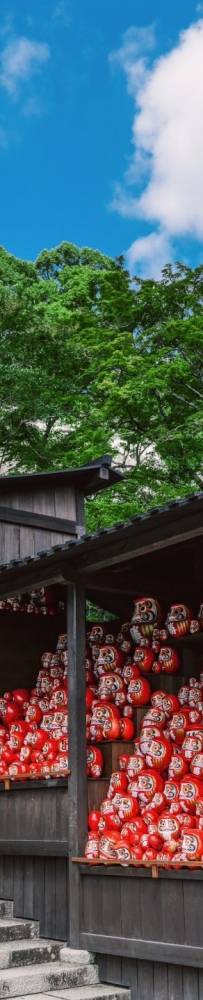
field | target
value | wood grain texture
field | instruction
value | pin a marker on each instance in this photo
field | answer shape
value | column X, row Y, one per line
column 77, row 812
column 38, row 887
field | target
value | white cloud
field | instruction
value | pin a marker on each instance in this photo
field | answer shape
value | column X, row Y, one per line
column 148, row 254
column 164, row 181
column 19, row 60
column 61, row 12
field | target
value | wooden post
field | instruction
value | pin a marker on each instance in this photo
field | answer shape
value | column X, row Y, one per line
column 77, row 782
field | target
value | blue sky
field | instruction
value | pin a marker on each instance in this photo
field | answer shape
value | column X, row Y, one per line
column 101, row 128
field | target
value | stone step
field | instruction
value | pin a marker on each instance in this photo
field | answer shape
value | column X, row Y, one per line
column 18, row 930
column 14, row 954
column 6, row 908
column 45, row 978
column 100, row 992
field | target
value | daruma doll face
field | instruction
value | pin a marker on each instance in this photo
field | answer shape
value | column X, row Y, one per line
column 145, row 618
column 178, row 620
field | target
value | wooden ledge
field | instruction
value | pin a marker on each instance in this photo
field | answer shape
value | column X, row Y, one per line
column 151, row 865
column 6, row 779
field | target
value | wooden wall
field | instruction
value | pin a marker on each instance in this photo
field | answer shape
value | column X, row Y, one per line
column 38, row 887
column 18, row 541
column 34, row 814
column 147, row 933
column 152, row 980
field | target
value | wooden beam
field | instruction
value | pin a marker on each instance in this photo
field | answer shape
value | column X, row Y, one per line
column 151, row 951
column 13, row 515
column 117, row 554
column 36, row 848
column 77, row 782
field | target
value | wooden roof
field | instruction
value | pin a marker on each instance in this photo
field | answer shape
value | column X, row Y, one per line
column 158, row 553
column 89, row 478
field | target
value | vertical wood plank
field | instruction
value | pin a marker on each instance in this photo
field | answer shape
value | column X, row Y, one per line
column 110, row 915
column 175, row 983
column 1, row 876
column 145, row 988
column 190, row 983
column 160, row 981
column 80, row 509
column 114, row 963
column 131, row 920
column 50, row 897
column 101, row 961
column 129, row 976
column 173, row 921
column 77, row 782
column 61, row 899
column 91, row 908
column 8, row 877
column 28, row 887
column 18, row 886
column 65, row 504
column 192, row 895
column 151, row 909
column 38, row 893
column 43, row 503
column 200, row 984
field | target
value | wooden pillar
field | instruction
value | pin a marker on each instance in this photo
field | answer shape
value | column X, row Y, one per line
column 77, row 781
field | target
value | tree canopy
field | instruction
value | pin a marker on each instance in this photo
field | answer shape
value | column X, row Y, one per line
column 92, row 360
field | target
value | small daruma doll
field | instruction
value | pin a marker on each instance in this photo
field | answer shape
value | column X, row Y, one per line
column 95, row 762
column 144, row 659
column 191, row 789
column 112, row 688
column 139, row 691
column 149, row 782
column 97, row 634
column 110, row 659
column 146, row 617
column 169, row 660
column 178, row 620
column 159, row 753
column 192, row 845
column 168, row 827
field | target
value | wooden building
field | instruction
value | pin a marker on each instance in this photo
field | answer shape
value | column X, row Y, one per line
column 147, row 932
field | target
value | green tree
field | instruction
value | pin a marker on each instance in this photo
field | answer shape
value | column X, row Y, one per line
column 92, row 361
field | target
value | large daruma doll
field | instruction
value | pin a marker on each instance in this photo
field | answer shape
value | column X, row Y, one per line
column 146, row 617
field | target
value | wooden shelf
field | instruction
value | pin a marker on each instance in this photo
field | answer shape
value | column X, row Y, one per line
column 153, row 866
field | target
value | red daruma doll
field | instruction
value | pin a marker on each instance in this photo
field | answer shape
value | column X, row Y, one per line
column 146, row 617
column 178, row 620
column 159, row 754
column 149, row 782
column 192, row 845
column 191, row 790
column 92, row 846
column 125, row 805
column 144, row 659
column 168, row 827
column 110, row 659
column 139, row 691
column 95, row 762
column 169, row 660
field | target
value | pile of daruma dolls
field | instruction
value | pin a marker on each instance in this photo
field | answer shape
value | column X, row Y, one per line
column 34, row 724
column 153, row 811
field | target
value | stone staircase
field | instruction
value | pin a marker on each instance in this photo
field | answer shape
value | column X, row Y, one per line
column 31, row 965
